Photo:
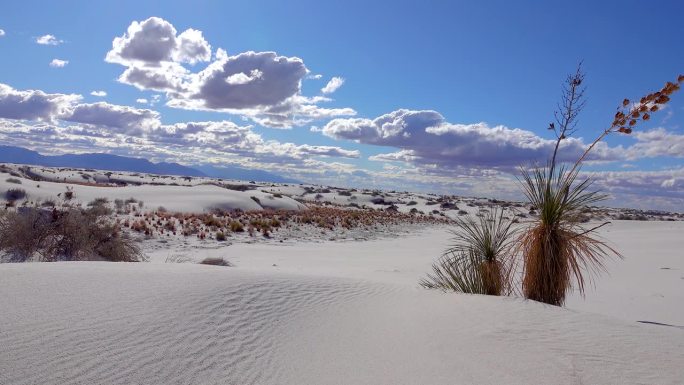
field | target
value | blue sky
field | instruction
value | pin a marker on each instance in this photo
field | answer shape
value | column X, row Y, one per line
column 421, row 65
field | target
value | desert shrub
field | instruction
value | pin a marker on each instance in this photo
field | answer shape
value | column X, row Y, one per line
column 344, row 193
column 15, row 194
column 99, row 207
column 119, row 204
column 23, row 234
column 13, row 180
column 236, row 227
column 211, row 221
column 215, row 261
column 73, row 234
column 68, row 195
column 114, row 245
column 98, row 202
column 220, row 236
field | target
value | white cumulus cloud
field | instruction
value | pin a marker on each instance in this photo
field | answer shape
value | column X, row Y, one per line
column 48, row 40
column 58, row 63
column 262, row 86
column 100, row 94
column 34, row 104
column 333, row 85
column 155, row 40
column 426, row 138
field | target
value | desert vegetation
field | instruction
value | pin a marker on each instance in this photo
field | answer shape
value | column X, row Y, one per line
column 481, row 259
column 558, row 251
column 222, row 223
column 39, row 234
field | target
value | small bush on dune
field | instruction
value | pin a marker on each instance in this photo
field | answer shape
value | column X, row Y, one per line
column 215, row 261
column 13, row 180
column 236, row 227
column 15, row 194
column 48, row 203
column 23, row 234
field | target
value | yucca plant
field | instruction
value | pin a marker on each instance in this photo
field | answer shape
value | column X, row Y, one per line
column 557, row 250
column 480, row 261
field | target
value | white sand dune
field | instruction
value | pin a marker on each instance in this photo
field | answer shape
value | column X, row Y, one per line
column 104, row 323
column 194, row 198
column 329, row 312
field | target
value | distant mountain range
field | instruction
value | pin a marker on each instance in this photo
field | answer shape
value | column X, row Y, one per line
column 233, row 172
column 12, row 154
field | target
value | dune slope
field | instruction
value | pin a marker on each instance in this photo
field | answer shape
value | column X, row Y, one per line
column 92, row 322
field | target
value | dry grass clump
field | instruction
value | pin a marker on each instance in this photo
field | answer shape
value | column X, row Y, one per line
column 32, row 233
